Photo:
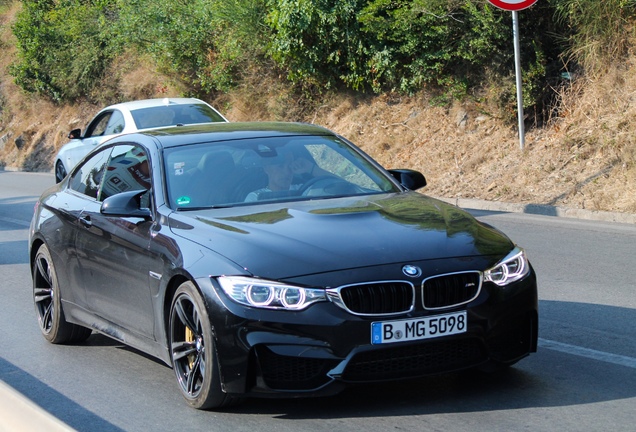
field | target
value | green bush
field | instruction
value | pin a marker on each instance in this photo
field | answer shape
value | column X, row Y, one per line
column 318, row 41
column 406, row 45
column 203, row 43
column 597, row 30
column 448, row 43
column 452, row 46
column 63, row 46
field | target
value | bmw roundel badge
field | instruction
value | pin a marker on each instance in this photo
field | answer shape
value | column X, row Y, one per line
column 411, row 271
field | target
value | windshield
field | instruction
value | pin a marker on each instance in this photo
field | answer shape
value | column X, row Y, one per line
column 175, row 114
column 258, row 170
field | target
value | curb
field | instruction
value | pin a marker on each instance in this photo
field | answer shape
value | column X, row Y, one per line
column 18, row 413
column 542, row 209
column 16, row 169
column 10, row 168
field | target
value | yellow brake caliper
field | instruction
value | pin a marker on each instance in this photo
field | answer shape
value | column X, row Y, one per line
column 189, row 337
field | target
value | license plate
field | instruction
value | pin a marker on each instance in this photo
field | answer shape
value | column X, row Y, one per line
column 385, row 332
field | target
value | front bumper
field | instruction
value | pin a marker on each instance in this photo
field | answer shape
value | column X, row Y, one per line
column 322, row 349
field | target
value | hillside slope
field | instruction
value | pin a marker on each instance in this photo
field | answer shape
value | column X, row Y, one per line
column 584, row 158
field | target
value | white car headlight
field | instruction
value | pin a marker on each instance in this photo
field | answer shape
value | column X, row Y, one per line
column 513, row 267
column 269, row 294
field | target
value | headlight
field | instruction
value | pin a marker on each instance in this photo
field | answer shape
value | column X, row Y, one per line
column 269, row 294
column 512, row 268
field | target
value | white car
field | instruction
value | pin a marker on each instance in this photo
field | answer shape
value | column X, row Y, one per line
column 129, row 117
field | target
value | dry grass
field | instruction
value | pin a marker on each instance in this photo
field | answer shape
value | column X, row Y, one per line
column 585, row 158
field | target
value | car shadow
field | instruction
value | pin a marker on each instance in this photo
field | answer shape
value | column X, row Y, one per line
column 14, row 252
column 100, row 340
column 16, row 213
column 548, row 378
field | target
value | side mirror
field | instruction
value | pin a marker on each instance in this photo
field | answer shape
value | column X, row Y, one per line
column 75, row 134
column 410, row 179
column 126, row 204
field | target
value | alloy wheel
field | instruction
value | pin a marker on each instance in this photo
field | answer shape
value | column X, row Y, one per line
column 43, row 293
column 188, row 346
column 48, row 303
column 193, row 350
column 60, row 172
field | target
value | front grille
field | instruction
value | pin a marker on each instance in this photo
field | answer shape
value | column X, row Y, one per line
column 450, row 290
column 293, row 373
column 379, row 298
column 415, row 360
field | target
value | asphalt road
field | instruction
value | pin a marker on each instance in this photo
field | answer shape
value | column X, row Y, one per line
column 582, row 379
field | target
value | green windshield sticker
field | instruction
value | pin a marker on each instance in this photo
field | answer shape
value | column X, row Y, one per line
column 184, row 200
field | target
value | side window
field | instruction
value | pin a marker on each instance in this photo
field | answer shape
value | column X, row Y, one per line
column 127, row 170
column 115, row 124
column 98, row 126
column 88, row 177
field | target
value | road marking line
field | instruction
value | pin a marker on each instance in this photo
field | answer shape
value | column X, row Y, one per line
column 15, row 221
column 589, row 353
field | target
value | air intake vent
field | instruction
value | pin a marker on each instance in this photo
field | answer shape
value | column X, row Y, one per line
column 376, row 298
column 415, row 360
column 450, row 290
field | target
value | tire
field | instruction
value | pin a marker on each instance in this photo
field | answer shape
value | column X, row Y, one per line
column 193, row 351
column 60, row 171
column 48, row 303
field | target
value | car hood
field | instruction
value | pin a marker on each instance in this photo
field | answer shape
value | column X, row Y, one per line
column 300, row 238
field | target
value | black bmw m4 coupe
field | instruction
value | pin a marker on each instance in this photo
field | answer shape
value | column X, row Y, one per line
column 273, row 260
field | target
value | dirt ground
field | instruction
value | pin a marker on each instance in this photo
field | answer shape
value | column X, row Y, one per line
column 583, row 158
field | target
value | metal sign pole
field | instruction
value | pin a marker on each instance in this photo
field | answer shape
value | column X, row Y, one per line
column 515, row 33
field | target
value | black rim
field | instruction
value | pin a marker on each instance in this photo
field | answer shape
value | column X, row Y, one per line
column 188, row 346
column 43, row 292
column 60, row 172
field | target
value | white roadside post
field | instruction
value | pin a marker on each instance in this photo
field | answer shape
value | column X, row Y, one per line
column 515, row 6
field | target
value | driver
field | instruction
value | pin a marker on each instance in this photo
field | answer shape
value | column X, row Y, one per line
column 281, row 170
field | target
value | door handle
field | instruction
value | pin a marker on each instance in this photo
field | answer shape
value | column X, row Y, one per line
column 86, row 221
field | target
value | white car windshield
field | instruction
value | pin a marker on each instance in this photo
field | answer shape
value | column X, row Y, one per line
column 177, row 114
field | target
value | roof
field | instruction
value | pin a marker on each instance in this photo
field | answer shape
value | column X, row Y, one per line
column 207, row 132
column 148, row 103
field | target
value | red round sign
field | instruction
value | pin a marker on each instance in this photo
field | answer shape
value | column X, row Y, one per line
column 512, row 5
